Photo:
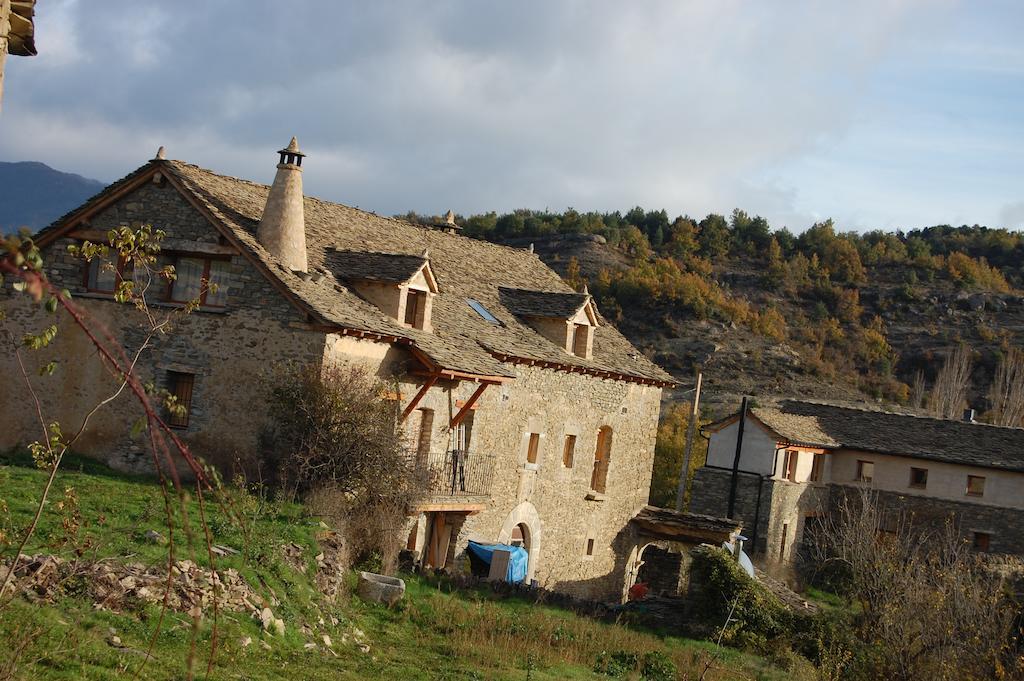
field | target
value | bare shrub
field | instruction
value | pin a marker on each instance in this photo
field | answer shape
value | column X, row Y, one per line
column 928, row 607
column 949, row 394
column 333, row 440
column 1006, row 394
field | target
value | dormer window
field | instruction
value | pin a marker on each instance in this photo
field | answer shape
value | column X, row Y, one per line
column 402, row 286
column 415, row 307
column 567, row 319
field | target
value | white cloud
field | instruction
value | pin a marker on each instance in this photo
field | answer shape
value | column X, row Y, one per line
column 693, row 106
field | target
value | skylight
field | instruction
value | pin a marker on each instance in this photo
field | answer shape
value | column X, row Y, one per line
column 482, row 311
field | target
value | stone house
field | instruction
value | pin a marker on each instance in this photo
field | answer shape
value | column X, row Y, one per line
column 538, row 417
column 17, row 32
column 798, row 457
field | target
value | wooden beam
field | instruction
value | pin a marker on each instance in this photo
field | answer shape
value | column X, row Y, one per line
column 418, row 396
column 469, row 404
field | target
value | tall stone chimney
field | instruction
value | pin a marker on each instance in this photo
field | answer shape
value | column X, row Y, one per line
column 282, row 229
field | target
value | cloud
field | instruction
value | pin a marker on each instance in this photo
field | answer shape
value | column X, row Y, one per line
column 597, row 105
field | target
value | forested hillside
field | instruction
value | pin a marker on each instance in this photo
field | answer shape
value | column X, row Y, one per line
column 824, row 314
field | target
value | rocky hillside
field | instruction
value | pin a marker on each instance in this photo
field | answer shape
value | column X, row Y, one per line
column 831, row 315
column 33, row 194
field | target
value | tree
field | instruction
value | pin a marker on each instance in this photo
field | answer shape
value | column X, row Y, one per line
column 668, row 454
column 714, row 236
column 927, row 607
column 1006, row 394
column 949, row 394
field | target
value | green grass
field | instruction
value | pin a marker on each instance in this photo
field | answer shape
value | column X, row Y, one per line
column 436, row 632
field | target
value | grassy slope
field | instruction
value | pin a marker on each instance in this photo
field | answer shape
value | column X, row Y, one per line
column 436, row 633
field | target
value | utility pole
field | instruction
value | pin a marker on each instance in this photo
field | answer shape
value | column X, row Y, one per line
column 736, row 460
column 684, row 474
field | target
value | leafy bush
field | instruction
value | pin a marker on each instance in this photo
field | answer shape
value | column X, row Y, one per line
column 658, row 667
column 726, row 592
column 617, row 664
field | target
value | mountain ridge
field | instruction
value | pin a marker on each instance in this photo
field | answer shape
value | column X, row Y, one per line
column 33, row 194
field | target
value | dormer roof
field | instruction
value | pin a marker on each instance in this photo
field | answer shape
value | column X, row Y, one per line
column 394, row 268
column 547, row 304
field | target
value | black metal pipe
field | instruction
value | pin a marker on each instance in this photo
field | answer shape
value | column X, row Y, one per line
column 736, row 460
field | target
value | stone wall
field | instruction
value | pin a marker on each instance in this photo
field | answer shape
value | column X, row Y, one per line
column 227, row 349
column 550, row 499
column 553, row 498
column 1003, row 525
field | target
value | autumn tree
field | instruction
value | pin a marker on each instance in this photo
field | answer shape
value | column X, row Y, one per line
column 669, row 452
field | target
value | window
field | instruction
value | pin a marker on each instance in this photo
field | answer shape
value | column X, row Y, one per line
column 817, row 463
column 414, row 304
column 104, row 274
column 569, row 451
column 424, row 434
column 602, row 457
column 865, row 471
column 975, row 485
column 190, row 273
column 531, row 450
column 792, row 459
column 980, row 542
column 590, row 547
column 580, row 333
column 483, row 311
column 919, row 478
column 785, row 535
column 180, row 385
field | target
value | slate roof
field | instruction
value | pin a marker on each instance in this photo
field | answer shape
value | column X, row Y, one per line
column 665, row 523
column 463, row 267
column 542, row 303
column 363, row 266
column 951, row 441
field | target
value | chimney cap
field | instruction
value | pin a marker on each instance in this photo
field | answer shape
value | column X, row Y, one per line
column 292, row 148
column 449, row 217
column 161, row 154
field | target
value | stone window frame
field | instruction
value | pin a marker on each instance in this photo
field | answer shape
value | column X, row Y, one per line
column 569, row 450
column 602, row 462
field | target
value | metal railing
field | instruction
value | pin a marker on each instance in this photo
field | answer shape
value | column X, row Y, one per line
column 457, row 472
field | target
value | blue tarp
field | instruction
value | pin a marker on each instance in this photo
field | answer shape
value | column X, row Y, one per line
column 517, row 562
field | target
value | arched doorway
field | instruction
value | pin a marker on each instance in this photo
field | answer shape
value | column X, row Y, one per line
column 659, row 565
column 523, row 525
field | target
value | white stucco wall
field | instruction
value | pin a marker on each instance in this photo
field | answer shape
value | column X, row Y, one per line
column 945, row 481
column 758, row 455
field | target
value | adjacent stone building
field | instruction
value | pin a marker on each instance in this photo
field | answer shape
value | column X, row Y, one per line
column 537, row 417
column 797, row 458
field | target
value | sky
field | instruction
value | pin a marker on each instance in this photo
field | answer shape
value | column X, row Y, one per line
column 881, row 114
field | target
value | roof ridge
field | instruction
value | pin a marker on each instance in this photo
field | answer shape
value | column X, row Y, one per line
column 390, row 218
column 923, row 417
